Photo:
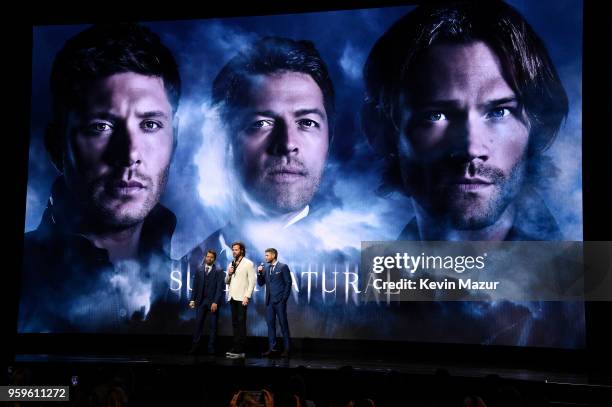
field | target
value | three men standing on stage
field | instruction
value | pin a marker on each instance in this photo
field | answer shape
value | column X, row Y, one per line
column 207, row 295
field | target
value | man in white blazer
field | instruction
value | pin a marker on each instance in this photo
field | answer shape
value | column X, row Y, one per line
column 241, row 278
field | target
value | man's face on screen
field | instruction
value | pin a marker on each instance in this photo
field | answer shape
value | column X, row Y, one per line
column 282, row 141
column 119, row 147
column 464, row 136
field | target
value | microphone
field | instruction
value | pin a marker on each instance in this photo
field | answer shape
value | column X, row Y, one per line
column 262, row 265
column 233, row 267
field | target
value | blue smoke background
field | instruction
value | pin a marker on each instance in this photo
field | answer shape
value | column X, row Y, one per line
column 350, row 209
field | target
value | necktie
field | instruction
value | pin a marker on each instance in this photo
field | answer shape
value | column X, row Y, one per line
column 207, row 270
column 272, row 269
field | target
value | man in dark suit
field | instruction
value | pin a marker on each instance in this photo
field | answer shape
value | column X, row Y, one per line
column 277, row 279
column 206, row 295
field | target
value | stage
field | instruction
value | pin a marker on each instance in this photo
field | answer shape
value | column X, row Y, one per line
column 314, row 362
column 179, row 377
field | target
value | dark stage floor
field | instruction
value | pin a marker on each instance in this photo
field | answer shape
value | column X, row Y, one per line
column 317, row 362
column 185, row 379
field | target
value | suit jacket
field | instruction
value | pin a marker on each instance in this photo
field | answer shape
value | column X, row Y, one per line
column 242, row 282
column 278, row 282
column 207, row 289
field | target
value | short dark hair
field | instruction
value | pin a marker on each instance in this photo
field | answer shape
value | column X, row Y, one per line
column 106, row 49
column 273, row 251
column 267, row 56
column 242, row 247
column 98, row 52
column 214, row 253
column 525, row 63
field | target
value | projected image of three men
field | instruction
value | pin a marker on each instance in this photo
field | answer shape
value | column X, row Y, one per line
column 155, row 144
